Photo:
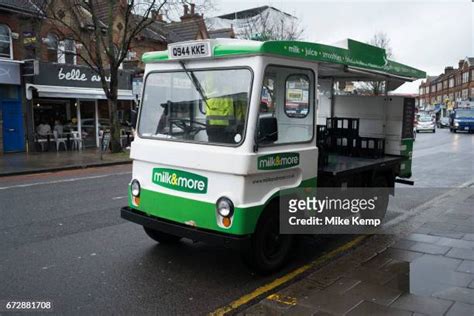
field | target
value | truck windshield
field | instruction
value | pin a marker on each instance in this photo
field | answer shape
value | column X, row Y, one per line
column 465, row 113
column 207, row 106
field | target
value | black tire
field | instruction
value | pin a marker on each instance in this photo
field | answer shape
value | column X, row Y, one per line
column 455, row 131
column 269, row 250
column 161, row 237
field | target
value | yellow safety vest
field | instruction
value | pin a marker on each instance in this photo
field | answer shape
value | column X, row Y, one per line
column 219, row 111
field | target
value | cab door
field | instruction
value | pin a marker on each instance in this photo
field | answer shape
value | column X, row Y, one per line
column 287, row 155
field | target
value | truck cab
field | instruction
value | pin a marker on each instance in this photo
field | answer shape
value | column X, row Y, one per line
column 225, row 126
column 462, row 119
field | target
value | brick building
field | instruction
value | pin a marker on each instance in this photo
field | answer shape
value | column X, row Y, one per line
column 59, row 86
column 454, row 85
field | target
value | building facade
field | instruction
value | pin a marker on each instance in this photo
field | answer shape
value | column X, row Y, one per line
column 43, row 81
column 450, row 88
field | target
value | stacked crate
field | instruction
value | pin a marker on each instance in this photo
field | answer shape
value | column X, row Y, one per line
column 341, row 136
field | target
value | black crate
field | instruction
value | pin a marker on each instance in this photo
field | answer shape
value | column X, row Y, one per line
column 369, row 147
column 342, row 145
column 343, row 126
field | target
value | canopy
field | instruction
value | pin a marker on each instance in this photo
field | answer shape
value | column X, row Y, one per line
column 349, row 58
column 45, row 91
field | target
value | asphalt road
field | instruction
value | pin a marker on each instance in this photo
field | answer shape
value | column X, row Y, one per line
column 62, row 240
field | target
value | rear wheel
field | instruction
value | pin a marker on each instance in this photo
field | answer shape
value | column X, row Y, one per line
column 269, row 250
column 161, row 237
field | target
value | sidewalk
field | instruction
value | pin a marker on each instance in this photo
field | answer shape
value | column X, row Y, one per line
column 24, row 163
column 425, row 268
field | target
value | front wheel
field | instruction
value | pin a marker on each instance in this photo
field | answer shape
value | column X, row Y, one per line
column 269, row 250
column 161, row 237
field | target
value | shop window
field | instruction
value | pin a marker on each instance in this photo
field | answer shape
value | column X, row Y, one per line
column 5, row 42
column 52, row 43
column 67, row 52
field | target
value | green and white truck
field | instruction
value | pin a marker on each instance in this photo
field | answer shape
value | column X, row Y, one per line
column 225, row 125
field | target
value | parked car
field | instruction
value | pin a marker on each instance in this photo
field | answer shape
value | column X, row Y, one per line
column 425, row 123
column 443, row 122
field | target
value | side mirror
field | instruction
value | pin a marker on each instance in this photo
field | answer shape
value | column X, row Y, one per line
column 267, row 130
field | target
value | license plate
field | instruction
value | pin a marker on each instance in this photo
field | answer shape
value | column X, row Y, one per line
column 189, row 50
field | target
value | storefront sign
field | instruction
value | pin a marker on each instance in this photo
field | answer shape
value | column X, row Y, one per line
column 54, row 74
column 9, row 73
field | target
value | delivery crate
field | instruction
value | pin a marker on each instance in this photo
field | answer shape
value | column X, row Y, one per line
column 343, row 126
column 369, row 147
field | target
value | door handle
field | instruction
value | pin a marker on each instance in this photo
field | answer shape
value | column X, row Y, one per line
column 11, row 129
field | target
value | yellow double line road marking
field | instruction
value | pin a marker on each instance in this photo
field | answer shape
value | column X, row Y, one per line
column 265, row 289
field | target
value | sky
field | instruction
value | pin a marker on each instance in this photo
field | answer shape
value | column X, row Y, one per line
column 428, row 35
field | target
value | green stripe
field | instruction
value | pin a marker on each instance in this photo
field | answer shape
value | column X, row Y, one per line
column 407, row 153
column 181, row 210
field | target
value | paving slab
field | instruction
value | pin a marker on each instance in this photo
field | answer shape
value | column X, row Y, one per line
column 330, row 302
column 468, row 237
column 458, row 294
column 457, row 243
column 421, row 304
column 370, row 275
column 374, row 293
column 461, row 309
column 422, row 238
column 369, row 308
column 461, row 253
column 429, row 248
column 448, row 234
column 467, row 266
column 402, row 255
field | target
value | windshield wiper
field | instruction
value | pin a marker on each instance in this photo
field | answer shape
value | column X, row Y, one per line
column 195, row 82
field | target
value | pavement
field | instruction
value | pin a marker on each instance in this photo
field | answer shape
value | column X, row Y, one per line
column 35, row 162
column 426, row 268
column 62, row 240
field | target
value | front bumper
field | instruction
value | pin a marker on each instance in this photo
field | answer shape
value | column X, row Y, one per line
column 177, row 229
column 425, row 128
column 466, row 128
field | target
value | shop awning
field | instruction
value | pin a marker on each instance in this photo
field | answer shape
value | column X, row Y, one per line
column 45, row 91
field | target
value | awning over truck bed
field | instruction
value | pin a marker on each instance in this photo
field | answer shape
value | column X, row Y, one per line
column 349, row 58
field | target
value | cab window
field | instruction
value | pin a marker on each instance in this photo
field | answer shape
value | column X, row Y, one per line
column 287, row 98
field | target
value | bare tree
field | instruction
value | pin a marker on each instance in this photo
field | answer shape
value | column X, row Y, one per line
column 381, row 40
column 269, row 25
column 103, row 31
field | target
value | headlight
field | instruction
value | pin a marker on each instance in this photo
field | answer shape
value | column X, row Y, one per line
column 456, row 122
column 225, row 207
column 135, row 186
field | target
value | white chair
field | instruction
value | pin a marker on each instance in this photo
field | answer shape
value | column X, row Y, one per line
column 41, row 141
column 77, row 142
column 59, row 141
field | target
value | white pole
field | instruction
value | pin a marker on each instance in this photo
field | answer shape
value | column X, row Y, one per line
column 79, row 128
column 97, row 123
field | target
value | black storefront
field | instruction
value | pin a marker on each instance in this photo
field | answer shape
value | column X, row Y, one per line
column 72, row 96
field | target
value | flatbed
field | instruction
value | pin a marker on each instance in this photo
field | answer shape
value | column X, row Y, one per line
column 339, row 165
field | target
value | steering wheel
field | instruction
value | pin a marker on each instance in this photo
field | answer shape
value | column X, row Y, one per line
column 189, row 129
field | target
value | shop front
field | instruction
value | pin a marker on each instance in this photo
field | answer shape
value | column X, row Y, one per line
column 68, row 101
column 12, row 136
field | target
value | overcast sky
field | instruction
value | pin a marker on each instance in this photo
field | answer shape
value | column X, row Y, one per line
column 428, row 35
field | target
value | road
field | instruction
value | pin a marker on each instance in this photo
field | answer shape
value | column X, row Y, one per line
column 62, row 240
